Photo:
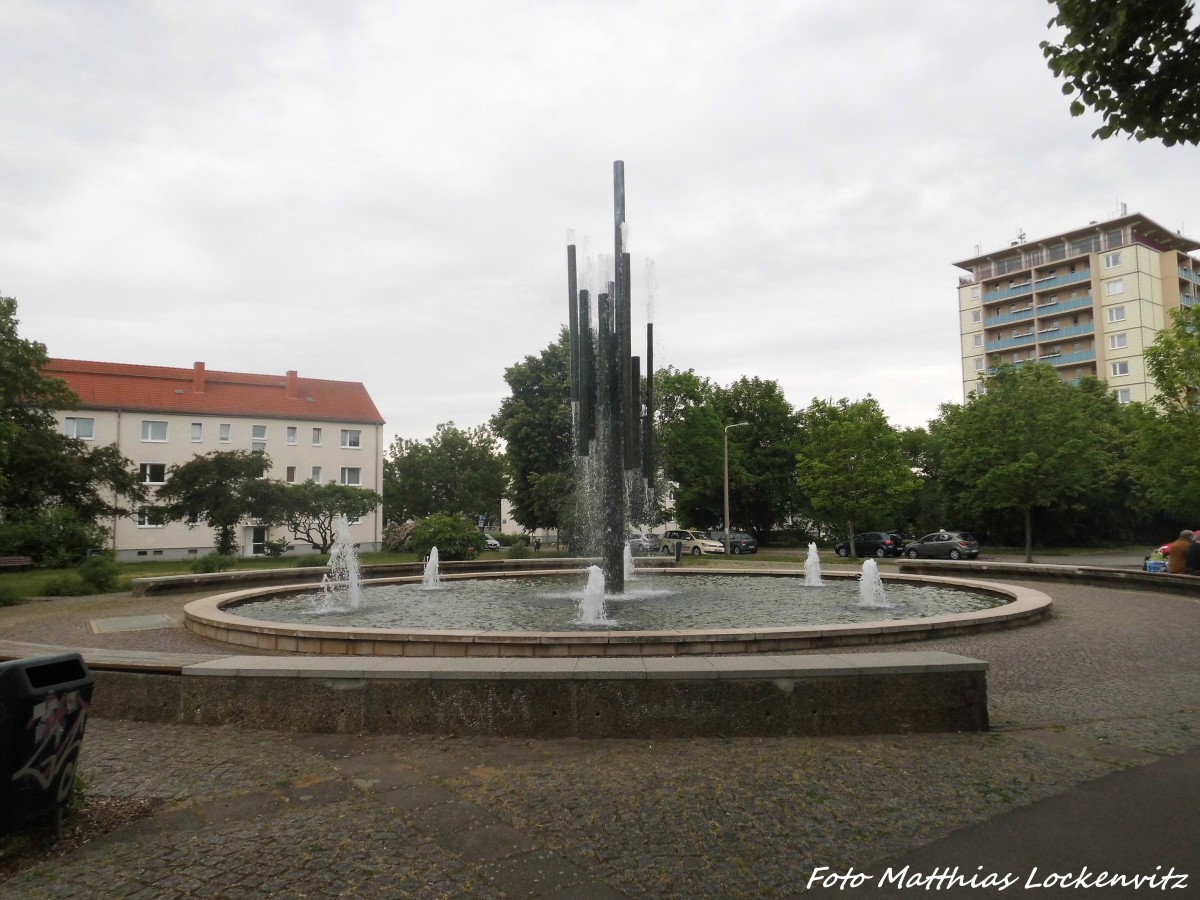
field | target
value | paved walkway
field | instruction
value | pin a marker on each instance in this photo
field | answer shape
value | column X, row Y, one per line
column 1093, row 760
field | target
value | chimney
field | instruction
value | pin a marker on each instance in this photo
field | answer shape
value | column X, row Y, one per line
column 292, row 388
column 198, row 378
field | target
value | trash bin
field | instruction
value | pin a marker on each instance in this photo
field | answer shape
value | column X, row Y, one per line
column 43, row 708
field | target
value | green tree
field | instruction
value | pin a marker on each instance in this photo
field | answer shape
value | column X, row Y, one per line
column 218, row 489
column 311, row 511
column 851, row 467
column 1030, row 442
column 455, row 471
column 54, row 489
column 1137, row 62
column 535, row 424
column 689, row 433
column 456, row 537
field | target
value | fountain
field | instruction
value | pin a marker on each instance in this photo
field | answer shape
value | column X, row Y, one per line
column 870, row 588
column 628, row 560
column 431, row 581
column 341, row 585
column 591, row 607
column 812, row 568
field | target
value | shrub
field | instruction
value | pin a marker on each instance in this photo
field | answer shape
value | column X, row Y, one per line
column 395, row 536
column 9, row 596
column 519, row 550
column 213, row 562
column 312, row 560
column 456, row 537
column 276, row 548
column 65, row 586
column 54, row 538
column 100, row 572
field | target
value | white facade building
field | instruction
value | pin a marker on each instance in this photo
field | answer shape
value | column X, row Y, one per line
column 159, row 417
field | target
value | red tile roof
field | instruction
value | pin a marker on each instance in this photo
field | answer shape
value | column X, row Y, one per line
column 199, row 391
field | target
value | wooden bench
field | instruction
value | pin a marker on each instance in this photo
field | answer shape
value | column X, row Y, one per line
column 15, row 562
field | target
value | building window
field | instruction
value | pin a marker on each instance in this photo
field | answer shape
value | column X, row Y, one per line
column 291, row 435
column 352, row 475
column 1120, row 368
column 1116, row 286
column 976, row 316
column 316, row 437
column 1112, row 260
column 76, row 427
column 1116, row 314
column 226, row 431
column 979, row 364
column 145, row 518
column 152, row 473
column 154, row 431
column 1118, row 341
column 258, row 438
column 975, row 292
column 1125, row 395
column 291, row 475
column 977, row 341
column 351, row 437
column 197, row 432
column 316, row 474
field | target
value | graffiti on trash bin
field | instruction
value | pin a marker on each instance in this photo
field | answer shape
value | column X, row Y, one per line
column 58, row 733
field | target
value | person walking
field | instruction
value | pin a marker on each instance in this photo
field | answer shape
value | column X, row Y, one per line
column 1177, row 554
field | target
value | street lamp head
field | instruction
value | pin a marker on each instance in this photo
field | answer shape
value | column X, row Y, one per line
column 736, row 425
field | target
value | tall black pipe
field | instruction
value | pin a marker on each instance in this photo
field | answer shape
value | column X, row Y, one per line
column 648, row 421
column 587, row 378
column 573, row 314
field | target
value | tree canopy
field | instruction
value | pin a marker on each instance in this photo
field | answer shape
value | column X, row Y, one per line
column 218, row 489
column 455, row 471
column 1136, row 62
column 310, row 511
column 535, row 424
column 851, row 467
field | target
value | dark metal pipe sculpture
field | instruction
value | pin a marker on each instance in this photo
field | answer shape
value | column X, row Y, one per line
column 613, row 423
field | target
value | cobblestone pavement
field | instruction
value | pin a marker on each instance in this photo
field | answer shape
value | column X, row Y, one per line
column 1111, row 681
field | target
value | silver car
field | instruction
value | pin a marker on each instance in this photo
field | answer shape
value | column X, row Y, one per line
column 944, row 545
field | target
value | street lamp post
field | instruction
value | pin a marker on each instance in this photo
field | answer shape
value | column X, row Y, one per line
column 727, row 427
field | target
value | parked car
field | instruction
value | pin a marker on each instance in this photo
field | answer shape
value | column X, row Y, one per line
column 739, row 541
column 694, row 542
column 643, row 542
column 490, row 543
column 873, row 543
column 944, row 545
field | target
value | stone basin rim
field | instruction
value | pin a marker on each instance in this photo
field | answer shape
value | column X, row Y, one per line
column 209, row 617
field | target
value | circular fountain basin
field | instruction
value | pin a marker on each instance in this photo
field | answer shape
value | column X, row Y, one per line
column 477, row 629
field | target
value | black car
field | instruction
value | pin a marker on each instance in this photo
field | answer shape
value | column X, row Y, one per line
column 739, row 541
column 873, row 543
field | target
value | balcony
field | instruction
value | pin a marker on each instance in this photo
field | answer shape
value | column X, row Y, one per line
column 1014, row 291
column 1189, row 275
column 1058, row 334
column 1060, row 306
column 1021, row 340
column 1045, row 284
column 1021, row 315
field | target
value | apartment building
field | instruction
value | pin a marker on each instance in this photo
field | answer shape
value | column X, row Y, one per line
column 159, row 417
column 1087, row 301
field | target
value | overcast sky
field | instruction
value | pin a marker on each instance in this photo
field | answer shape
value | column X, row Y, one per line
column 383, row 192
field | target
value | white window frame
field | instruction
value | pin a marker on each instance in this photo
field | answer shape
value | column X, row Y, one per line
column 351, row 471
column 976, row 316
column 979, row 364
column 149, row 429
column 351, row 438
column 1118, row 341
column 1125, row 395
column 1116, row 314
column 71, row 428
column 290, row 475
column 316, row 474
column 291, row 435
column 1119, row 368
column 143, row 518
column 1114, row 287
column 197, row 432
column 225, row 432
column 316, row 437
column 1112, row 260
column 258, row 438
column 977, row 341
column 144, row 472
column 975, row 292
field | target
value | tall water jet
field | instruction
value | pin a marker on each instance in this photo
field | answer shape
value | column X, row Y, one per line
column 342, row 581
column 432, row 579
column 612, row 404
column 812, row 568
column 870, row 587
column 591, row 605
column 628, row 560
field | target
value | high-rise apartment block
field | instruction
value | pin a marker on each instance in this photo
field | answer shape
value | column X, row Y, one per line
column 1087, row 301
